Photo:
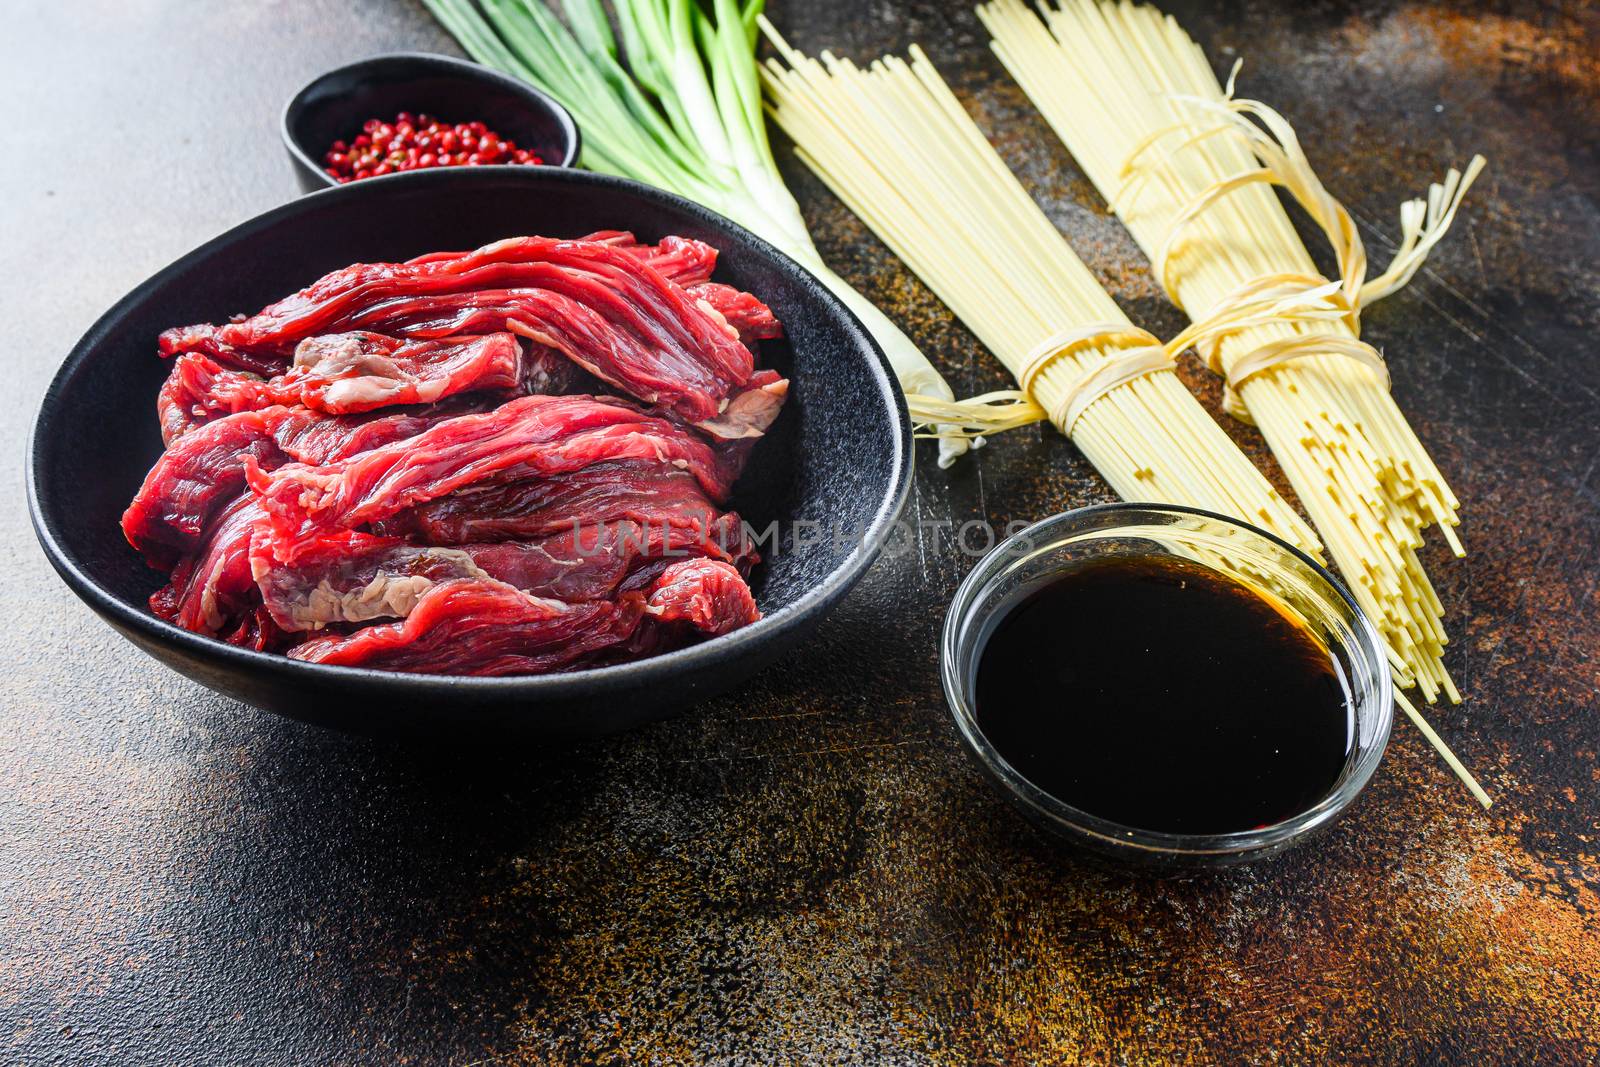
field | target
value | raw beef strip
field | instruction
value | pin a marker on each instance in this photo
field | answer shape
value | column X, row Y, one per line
column 749, row 412
column 317, row 439
column 689, row 263
column 212, row 588
column 603, row 307
column 177, row 409
column 685, row 605
column 650, row 369
column 194, row 479
column 592, row 562
column 540, row 436
column 642, row 370
column 590, row 271
column 708, row 594
column 679, row 259
column 257, row 631
column 752, row 319
column 351, row 576
column 354, row 577
column 482, row 627
column 348, row 373
column 527, row 508
column 485, row 627
column 341, row 374
column 204, row 469
column 202, row 338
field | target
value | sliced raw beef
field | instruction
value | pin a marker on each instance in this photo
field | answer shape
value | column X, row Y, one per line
column 596, row 273
column 202, row 338
column 210, row 590
column 354, row 577
column 707, row 594
column 347, row 373
column 688, row 602
column 257, row 631
column 749, row 317
column 483, row 627
column 205, row 468
column 341, row 374
column 350, row 576
column 749, row 412
column 193, row 480
column 603, row 307
column 528, row 508
column 317, row 439
column 690, row 263
column 640, row 369
column 176, row 408
column 410, row 465
column 540, row 436
column 680, row 259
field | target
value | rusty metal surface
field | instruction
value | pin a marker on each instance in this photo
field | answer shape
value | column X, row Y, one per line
column 808, row 870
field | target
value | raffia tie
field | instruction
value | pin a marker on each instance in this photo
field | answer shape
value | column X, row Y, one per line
column 1139, row 353
column 1304, row 299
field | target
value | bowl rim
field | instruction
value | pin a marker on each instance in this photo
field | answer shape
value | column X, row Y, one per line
column 466, row 67
column 1108, row 835
column 818, row 599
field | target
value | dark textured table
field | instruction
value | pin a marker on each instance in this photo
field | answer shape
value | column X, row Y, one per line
column 808, row 870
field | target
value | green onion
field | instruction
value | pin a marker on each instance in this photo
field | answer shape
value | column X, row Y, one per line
column 683, row 114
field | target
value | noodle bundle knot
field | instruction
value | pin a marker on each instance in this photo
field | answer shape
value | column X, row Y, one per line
column 1145, row 355
column 1306, row 302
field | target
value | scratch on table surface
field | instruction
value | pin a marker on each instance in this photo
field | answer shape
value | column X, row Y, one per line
column 1588, row 588
column 983, row 505
column 831, row 750
column 1469, row 332
column 1587, row 496
column 1497, row 325
column 1583, row 479
column 1494, row 350
column 785, row 715
column 1477, row 253
column 405, row 1006
column 922, row 552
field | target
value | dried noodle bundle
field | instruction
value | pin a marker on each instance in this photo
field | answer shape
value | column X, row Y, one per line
column 896, row 145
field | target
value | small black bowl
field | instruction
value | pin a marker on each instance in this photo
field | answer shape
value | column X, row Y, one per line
column 839, row 456
column 334, row 106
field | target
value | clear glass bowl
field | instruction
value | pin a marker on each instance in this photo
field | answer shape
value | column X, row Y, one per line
column 1298, row 583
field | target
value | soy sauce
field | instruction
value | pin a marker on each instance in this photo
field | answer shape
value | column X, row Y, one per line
column 1164, row 695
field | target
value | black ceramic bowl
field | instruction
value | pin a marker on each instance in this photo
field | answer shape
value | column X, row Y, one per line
column 840, row 454
column 334, row 106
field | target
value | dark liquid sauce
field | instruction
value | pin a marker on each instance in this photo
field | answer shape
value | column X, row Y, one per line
column 1163, row 695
